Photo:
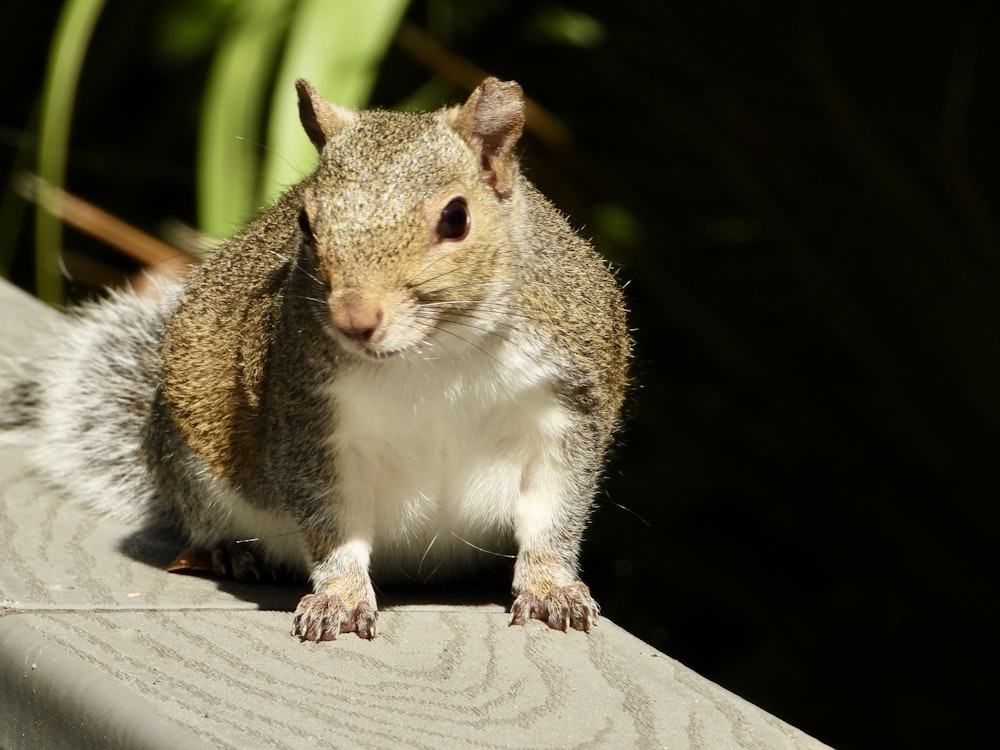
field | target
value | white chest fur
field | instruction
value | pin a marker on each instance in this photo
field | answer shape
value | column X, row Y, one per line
column 437, row 458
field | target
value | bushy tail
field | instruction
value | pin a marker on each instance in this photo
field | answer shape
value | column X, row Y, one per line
column 19, row 405
column 86, row 399
column 20, row 388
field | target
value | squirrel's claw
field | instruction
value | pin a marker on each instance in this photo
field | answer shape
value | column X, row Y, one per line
column 322, row 617
column 563, row 607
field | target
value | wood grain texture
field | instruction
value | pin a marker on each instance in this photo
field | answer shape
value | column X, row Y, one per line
column 432, row 679
column 100, row 647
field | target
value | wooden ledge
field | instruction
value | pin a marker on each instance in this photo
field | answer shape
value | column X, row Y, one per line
column 100, row 648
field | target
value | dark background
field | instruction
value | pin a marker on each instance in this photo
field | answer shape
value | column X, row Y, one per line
column 804, row 200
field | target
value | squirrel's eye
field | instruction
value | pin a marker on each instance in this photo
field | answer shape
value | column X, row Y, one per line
column 305, row 227
column 454, row 221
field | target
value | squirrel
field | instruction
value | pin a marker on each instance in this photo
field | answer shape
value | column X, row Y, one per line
column 408, row 358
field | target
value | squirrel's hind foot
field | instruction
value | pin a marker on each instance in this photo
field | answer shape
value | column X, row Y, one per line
column 225, row 560
column 237, row 561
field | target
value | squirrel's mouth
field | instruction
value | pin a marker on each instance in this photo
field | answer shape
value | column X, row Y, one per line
column 365, row 351
column 377, row 355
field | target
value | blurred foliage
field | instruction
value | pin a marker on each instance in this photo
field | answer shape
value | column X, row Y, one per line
column 69, row 46
column 257, row 50
column 804, row 201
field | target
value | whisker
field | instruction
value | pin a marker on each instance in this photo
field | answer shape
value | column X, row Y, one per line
column 625, row 508
column 471, row 343
column 259, row 538
column 317, row 300
column 503, row 309
column 426, row 551
column 487, row 551
column 436, row 569
column 297, row 265
column 318, row 281
column 482, row 329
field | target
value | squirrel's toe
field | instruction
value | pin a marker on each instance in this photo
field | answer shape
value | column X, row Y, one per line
column 563, row 607
column 322, row 617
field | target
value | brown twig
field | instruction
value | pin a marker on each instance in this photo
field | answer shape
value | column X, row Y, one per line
column 455, row 68
column 156, row 255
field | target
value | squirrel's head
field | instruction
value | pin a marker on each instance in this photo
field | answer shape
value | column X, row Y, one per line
column 411, row 221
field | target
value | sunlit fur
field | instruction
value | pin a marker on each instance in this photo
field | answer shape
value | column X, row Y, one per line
column 354, row 386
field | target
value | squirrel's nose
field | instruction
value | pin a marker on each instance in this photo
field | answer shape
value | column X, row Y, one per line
column 358, row 319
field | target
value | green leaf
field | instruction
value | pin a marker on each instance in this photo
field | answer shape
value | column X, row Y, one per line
column 229, row 143
column 76, row 24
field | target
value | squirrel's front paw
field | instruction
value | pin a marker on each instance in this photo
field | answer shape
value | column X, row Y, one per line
column 563, row 607
column 322, row 617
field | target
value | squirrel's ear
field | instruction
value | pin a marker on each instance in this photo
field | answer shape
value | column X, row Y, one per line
column 320, row 118
column 491, row 121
